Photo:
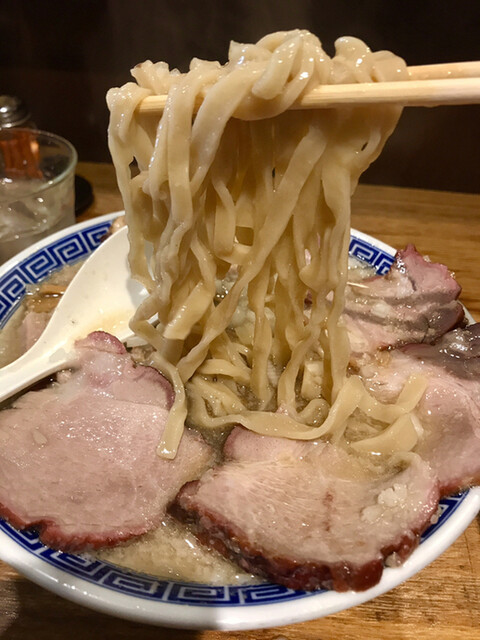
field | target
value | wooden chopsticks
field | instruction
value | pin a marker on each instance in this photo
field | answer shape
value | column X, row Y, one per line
column 446, row 70
column 429, row 86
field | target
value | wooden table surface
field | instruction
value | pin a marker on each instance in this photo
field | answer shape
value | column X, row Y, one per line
column 443, row 600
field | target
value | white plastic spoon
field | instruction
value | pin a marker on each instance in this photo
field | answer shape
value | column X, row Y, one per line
column 102, row 295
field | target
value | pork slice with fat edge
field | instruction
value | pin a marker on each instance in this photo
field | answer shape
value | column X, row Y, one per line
column 78, row 459
column 308, row 515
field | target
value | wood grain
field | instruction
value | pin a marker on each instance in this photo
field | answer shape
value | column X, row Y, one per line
column 443, row 600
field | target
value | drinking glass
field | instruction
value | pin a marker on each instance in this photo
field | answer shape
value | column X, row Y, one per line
column 37, row 193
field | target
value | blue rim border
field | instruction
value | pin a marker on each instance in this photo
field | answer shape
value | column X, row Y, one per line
column 34, row 268
column 67, row 250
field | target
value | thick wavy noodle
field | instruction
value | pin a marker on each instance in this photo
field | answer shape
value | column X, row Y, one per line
column 247, row 206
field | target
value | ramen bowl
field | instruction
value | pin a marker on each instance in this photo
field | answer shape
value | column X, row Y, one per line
column 111, row 589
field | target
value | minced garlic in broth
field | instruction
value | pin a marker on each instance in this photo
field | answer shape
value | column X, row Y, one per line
column 173, row 552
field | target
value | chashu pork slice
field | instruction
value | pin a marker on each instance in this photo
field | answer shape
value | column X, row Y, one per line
column 78, row 459
column 308, row 515
column 416, row 301
column 449, row 411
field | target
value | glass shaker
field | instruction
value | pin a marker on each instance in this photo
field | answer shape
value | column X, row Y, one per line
column 14, row 113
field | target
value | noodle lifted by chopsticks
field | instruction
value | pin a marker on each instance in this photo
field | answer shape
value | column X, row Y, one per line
column 247, row 205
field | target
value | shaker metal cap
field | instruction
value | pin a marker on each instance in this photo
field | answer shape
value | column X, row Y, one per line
column 13, row 111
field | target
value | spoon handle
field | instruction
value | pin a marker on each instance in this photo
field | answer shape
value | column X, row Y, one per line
column 30, row 368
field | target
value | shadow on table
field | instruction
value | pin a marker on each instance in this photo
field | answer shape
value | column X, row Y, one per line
column 45, row 616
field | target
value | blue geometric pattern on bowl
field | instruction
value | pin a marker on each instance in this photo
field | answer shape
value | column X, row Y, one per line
column 67, row 250
column 143, row 586
column 73, row 247
column 374, row 256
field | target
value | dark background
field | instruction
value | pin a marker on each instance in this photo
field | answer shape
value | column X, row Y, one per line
column 62, row 57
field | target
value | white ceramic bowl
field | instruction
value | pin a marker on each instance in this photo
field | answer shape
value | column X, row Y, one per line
column 113, row 590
